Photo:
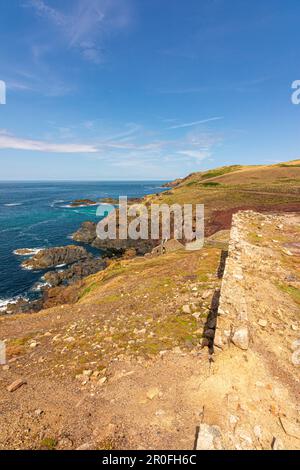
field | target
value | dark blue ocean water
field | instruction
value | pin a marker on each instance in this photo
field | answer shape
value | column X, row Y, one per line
column 34, row 215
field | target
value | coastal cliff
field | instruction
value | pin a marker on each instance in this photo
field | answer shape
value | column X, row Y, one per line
column 143, row 343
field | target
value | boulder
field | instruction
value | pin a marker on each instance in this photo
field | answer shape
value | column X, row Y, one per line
column 75, row 272
column 61, row 295
column 52, row 257
column 113, row 247
column 86, row 233
column 277, row 444
column 209, row 438
column 240, row 338
column 168, row 247
column 296, row 358
column 82, row 202
column 186, row 309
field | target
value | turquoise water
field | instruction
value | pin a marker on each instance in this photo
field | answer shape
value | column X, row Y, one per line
column 36, row 215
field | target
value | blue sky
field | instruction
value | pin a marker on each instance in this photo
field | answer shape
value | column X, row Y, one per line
column 146, row 89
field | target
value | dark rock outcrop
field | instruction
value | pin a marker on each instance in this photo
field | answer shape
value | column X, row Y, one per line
column 173, row 184
column 23, row 306
column 120, row 247
column 117, row 247
column 61, row 295
column 75, row 272
column 86, row 233
column 52, row 257
column 83, row 202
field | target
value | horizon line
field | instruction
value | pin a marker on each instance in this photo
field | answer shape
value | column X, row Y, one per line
column 80, row 181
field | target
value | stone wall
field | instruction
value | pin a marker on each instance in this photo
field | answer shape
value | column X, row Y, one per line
column 232, row 324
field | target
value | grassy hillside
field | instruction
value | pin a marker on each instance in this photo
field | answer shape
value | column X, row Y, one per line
column 227, row 189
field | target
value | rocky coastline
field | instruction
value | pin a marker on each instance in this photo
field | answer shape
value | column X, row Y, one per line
column 87, row 234
column 83, row 203
column 61, row 267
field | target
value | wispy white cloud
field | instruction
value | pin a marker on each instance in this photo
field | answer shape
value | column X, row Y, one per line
column 194, row 123
column 43, row 82
column 43, row 9
column 86, row 25
column 18, row 85
column 15, row 143
column 197, row 155
column 133, row 143
column 130, row 130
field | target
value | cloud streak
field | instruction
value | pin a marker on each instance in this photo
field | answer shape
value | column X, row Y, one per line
column 195, row 123
column 139, row 144
column 87, row 25
column 15, row 143
column 197, row 155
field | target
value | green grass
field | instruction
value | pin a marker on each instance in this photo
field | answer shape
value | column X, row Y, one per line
column 210, row 184
column 294, row 292
column 49, row 443
column 88, row 290
column 115, row 271
column 109, row 299
column 286, row 165
column 221, row 171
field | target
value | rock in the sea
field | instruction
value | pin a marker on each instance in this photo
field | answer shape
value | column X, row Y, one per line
column 209, row 438
column 25, row 251
column 86, row 233
column 75, row 272
column 23, row 306
column 52, row 257
column 82, row 202
column 240, row 338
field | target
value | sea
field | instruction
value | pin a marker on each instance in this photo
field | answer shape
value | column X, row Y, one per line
column 37, row 215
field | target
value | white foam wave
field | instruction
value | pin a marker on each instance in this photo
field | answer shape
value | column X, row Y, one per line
column 27, row 251
column 69, row 206
column 12, row 204
column 59, row 201
column 5, row 302
column 39, row 286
